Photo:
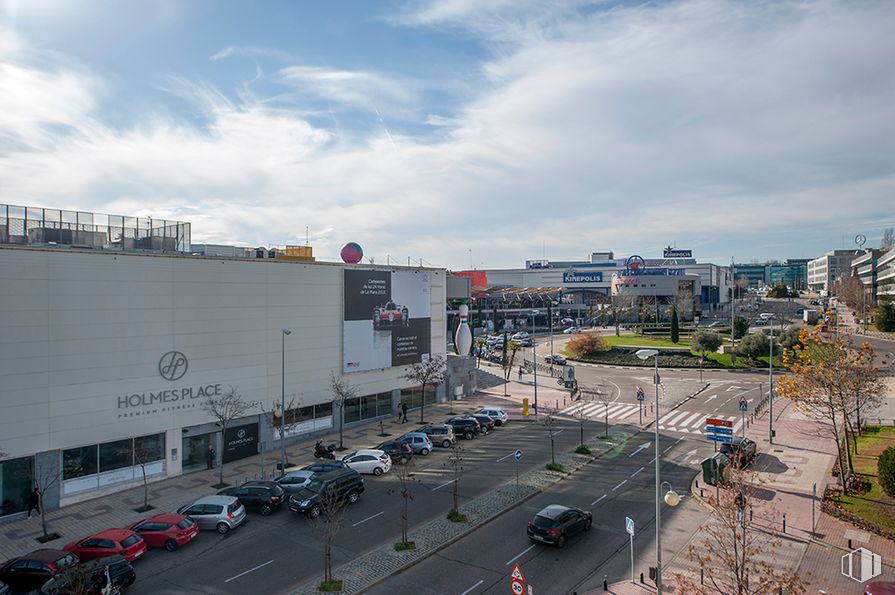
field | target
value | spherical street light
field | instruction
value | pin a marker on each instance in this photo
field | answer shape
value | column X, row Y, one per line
column 672, row 498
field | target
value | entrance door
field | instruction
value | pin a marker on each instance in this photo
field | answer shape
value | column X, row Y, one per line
column 195, row 449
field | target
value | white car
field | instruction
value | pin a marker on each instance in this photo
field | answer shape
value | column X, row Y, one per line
column 369, row 461
column 520, row 335
column 499, row 416
column 572, row 330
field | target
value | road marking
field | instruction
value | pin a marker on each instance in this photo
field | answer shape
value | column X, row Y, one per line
column 233, row 578
column 469, row 590
column 516, row 557
column 668, row 420
column 624, row 481
column 651, row 461
column 598, row 499
column 710, row 398
column 368, row 518
column 636, row 472
column 639, row 448
column 558, row 431
column 506, row 456
column 444, row 484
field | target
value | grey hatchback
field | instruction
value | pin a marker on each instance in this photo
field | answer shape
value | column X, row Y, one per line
column 221, row 513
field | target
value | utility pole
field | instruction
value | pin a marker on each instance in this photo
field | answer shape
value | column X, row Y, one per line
column 733, row 303
column 771, row 389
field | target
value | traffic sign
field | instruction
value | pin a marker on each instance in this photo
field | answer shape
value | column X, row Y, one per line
column 517, row 587
column 518, row 455
column 717, row 430
column 712, row 421
column 719, row 438
column 744, row 405
column 640, row 395
column 629, row 525
column 517, row 573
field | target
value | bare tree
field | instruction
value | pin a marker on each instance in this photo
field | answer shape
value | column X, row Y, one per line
column 549, row 421
column 406, row 480
column 849, row 290
column 341, row 391
column 621, row 305
column 730, row 553
column 328, row 516
column 142, row 457
column 888, row 241
column 226, row 408
column 428, row 373
column 43, row 479
column 455, row 465
column 280, row 421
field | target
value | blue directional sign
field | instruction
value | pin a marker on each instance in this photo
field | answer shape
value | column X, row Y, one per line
column 518, row 454
column 719, row 438
column 717, row 430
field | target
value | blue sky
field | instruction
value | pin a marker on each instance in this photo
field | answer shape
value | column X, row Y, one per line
column 511, row 128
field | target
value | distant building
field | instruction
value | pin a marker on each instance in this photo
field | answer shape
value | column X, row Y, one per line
column 826, row 270
column 793, row 273
column 885, row 276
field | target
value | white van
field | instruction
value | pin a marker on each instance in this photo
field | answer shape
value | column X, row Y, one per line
column 766, row 316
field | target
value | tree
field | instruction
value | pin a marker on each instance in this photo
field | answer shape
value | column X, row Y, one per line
column 406, row 479
column 885, row 467
column 455, row 465
column 279, row 420
column 884, row 317
column 849, row 290
column 143, row 455
column 549, row 421
column 789, row 338
column 341, row 391
column 587, row 344
column 599, row 394
column 327, row 523
column 226, row 408
column 705, row 341
column 428, row 373
column 756, row 345
column 730, row 553
column 508, row 362
column 675, row 326
column 888, row 241
column 44, row 478
column 621, row 306
column 740, row 327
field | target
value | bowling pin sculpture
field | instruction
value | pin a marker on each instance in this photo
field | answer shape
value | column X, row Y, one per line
column 463, row 338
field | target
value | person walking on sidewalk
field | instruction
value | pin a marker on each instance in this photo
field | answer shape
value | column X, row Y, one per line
column 209, row 457
column 34, row 501
column 520, row 373
column 403, row 413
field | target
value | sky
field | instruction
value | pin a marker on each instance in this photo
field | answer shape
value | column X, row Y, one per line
column 461, row 132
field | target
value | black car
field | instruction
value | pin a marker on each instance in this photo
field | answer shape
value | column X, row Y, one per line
column 263, row 496
column 485, row 421
column 467, row 427
column 32, row 570
column 557, row 522
column 740, row 450
column 555, row 359
column 345, row 484
column 398, row 452
column 4, row 589
column 325, row 466
column 86, row 577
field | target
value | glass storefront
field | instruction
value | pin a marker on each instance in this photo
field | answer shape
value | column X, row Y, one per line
column 195, row 452
column 414, row 396
column 15, row 485
column 368, row 407
column 87, row 468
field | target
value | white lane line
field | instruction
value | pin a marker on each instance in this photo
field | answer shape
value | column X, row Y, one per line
column 598, row 499
column 666, row 450
column 517, row 556
column 506, row 456
column 624, row 481
column 558, row 431
column 629, row 413
column 668, row 419
column 444, row 484
column 686, row 423
column 470, row 589
column 636, row 472
column 651, row 461
column 368, row 518
column 233, row 578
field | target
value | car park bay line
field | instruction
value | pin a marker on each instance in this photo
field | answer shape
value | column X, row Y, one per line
column 368, row 519
column 470, row 589
column 233, row 578
column 443, row 485
column 506, row 456
column 520, row 554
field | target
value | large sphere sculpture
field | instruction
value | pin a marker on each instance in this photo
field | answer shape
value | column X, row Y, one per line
column 352, row 253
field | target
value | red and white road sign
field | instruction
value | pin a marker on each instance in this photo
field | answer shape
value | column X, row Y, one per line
column 517, row 573
column 517, row 587
column 724, row 423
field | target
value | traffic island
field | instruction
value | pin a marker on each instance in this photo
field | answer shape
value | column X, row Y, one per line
column 556, row 467
column 403, row 547
column 330, row 586
column 457, row 517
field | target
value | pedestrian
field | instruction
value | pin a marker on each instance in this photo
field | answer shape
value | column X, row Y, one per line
column 34, row 501
column 105, row 581
column 209, row 457
column 520, row 372
column 403, row 413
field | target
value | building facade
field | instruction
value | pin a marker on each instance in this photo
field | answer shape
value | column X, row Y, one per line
column 885, row 276
column 826, row 270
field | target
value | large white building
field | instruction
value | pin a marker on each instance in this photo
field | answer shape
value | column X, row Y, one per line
column 107, row 356
column 826, row 270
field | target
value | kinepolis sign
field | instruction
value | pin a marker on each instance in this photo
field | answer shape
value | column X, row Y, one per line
column 172, row 367
column 670, row 252
column 575, row 277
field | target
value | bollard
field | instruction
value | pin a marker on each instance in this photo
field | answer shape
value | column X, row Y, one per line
column 849, row 545
column 701, row 576
column 697, row 483
column 750, row 515
column 605, row 583
column 784, row 522
column 641, row 578
column 700, row 493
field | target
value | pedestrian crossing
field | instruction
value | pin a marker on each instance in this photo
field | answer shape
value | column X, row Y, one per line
column 688, row 422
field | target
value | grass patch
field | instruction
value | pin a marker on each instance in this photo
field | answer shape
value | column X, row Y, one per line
column 555, row 467
column 401, row 547
column 330, row 586
column 456, row 516
column 873, row 505
column 583, row 450
column 643, row 341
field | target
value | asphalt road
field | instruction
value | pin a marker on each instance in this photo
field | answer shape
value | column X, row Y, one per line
column 270, row 554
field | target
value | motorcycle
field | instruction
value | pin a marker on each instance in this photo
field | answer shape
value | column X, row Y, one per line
column 324, row 452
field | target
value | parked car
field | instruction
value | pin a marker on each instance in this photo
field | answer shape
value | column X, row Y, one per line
column 716, row 324
column 324, row 466
column 465, row 426
column 555, row 359
column 520, row 336
column 880, row 588
column 499, row 416
column 346, row 485
column 263, row 496
column 4, row 589
column 370, row 461
column 87, row 577
column 556, row 522
column 293, row 481
column 486, row 422
column 440, row 434
column 526, row 342
column 32, row 570
column 572, row 330
column 221, row 513
column 167, row 530
column 740, row 449
column 398, row 451
column 419, row 442
column 105, row 543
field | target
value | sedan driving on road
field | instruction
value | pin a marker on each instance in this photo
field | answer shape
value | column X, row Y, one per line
column 555, row 359
column 557, row 522
column 369, row 461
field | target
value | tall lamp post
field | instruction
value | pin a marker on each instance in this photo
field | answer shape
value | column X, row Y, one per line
column 534, row 357
column 771, row 388
column 645, row 354
column 283, row 405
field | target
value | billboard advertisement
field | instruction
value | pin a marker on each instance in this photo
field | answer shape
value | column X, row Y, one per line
column 387, row 320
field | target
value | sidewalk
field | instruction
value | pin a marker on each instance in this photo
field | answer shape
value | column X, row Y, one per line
column 116, row 510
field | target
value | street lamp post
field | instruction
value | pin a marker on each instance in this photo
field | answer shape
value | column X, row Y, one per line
column 283, row 405
column 771, row 389
column 534, row 357
column 645, row 354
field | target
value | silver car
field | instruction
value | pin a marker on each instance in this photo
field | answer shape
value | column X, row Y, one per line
column 293, row 481
column 499, row 415
column 221, row 513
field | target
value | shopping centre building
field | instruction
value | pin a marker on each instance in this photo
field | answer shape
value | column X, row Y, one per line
column 115, row 335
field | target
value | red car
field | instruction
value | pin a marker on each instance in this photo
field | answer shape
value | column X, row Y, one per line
column 106, row 543
column 168, row 530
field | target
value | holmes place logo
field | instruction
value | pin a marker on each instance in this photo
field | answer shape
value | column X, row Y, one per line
column 241, row 434
column 173, row 365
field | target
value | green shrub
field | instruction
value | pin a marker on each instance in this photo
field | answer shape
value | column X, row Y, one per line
column 756, row 345
column 790, row 337
column 331, row 586
column 455, row 516
column 740, row 327
column 884, row 317
column 556, row 467
column 400, row 547
column 582, row 450
column 705, row 341
column 675, row 326
column 886, row 471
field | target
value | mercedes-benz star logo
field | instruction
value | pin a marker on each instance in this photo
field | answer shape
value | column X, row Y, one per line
column 173, row 365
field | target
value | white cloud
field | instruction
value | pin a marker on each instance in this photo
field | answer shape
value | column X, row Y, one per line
column 355, row 88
